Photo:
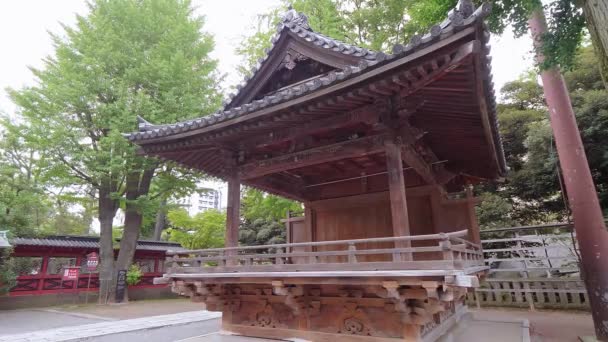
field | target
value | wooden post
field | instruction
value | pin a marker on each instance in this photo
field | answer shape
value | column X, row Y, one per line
column 474, row 234
column 526, row 284
column 396, row 185
column 309, row 226
column 233, row 216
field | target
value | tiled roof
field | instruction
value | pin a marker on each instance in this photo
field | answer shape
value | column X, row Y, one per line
column 458, row 19
column 297, row 23
column 90, row 242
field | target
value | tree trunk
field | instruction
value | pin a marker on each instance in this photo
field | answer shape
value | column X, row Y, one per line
column 582, row 196
column 137, row 184
column 596, row 14
column 161, row 220
column 107, row 210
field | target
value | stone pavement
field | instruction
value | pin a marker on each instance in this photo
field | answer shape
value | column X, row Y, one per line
column 90, row 331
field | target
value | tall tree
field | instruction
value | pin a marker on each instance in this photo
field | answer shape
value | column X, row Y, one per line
column 24, row 202
column 204, row 230
column 596, row 14
column 124, row 59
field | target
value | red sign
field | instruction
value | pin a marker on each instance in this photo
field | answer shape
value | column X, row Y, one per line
column 92, row 261
column 70, row 273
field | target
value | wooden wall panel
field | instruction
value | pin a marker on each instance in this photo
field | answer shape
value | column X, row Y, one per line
column 421, row 222
column 369, row 215
column 454, row 216
column 355, row 217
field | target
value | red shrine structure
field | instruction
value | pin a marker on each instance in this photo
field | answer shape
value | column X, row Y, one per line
column 40, row 263
column 381, row 150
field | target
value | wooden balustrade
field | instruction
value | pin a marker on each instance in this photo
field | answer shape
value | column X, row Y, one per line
column 444, row 251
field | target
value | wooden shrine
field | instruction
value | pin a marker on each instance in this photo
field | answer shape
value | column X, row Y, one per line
column 381, row 150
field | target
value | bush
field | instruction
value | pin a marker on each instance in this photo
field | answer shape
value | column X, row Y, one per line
column 134, row 275
column 8, row 276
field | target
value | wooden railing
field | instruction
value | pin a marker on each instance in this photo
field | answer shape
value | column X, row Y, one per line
column 445, row 251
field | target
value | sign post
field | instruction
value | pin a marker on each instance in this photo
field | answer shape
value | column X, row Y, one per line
column 92, row 262
column 69, row 273
column 121, row 284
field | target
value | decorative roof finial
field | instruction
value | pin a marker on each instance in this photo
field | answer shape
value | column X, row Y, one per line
column 292, row 16
column 465, row 7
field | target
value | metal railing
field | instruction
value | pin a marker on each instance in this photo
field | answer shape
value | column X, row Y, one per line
column 531, row 266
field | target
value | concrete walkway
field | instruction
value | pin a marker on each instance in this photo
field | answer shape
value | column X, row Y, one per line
column 91, row 331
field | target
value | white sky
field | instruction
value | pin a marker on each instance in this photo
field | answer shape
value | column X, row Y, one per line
column 24, row 38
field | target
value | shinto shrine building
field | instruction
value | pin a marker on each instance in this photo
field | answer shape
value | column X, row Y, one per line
column 382, row 150
column 40, row 263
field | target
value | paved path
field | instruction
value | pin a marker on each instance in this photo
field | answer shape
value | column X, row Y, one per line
column 19, row 321
column 92, row 331
column 135, row 309
column 546, row 325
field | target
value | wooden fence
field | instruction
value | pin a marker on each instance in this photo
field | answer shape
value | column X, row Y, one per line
column 532, row 266
column 442, row 252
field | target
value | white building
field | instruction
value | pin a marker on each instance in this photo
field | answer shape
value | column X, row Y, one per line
column 210, row 195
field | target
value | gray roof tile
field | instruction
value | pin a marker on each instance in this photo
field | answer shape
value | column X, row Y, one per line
column 69, row 241
column 461, row 17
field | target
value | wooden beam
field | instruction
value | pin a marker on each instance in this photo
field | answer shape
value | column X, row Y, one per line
column 365, row 115
column 413, row 150
column 318, row 155
column 396, row 184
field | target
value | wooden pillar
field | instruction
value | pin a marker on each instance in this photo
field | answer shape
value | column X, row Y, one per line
column 43, row 271
column 436, row 210
column 474, row 234
column 396, row 185
column 233, row 214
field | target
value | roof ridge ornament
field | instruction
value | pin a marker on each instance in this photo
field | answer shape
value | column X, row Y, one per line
column 291, row 16
column 465, row 7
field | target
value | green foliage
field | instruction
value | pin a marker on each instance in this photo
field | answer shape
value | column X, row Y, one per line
column 323, row 16
column 494, row 211
column 380, row 24
column 261, row 232
column 256, row 204
column 204, row 230
column 565, row 33
column 124, row 59
column 24, row 203
column 532, row 193
column 565, row 22
column 134, row 275
column 8, row 275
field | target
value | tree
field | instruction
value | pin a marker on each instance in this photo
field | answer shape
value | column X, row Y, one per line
column 596, row 12
column 124, row 59
column 24, row 202
column 260, row 205
column 261, row 232
column 204, row 230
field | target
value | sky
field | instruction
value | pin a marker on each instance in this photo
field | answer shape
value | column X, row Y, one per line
column 25, row 41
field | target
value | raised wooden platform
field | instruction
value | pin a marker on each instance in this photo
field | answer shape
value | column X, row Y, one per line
column 285, row 291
